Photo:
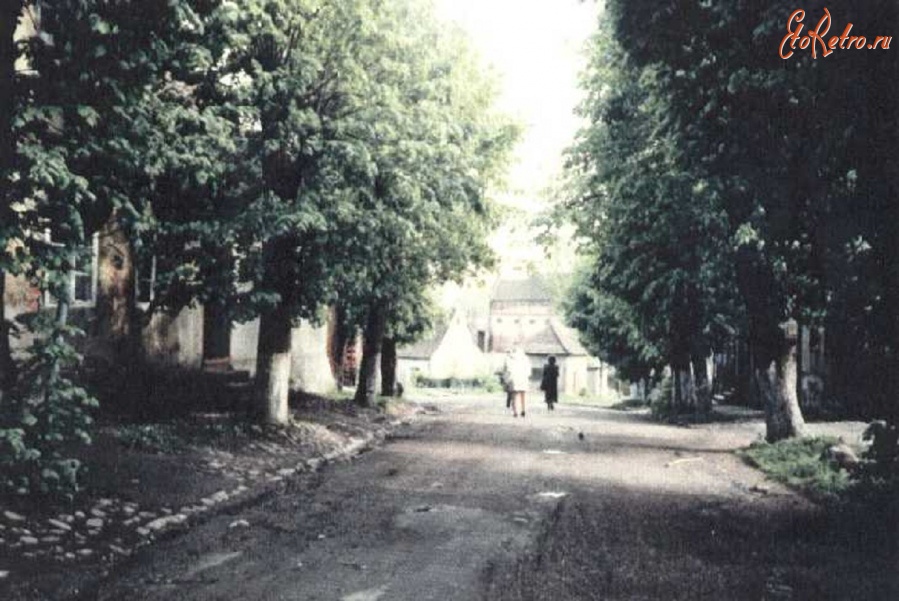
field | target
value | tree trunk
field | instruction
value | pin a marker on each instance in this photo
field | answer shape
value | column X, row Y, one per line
column 777, row 383
column 688, row 390
column 342, row 334
column 216, row 335
column 273, row 366
column 703, row 389
column 375, row 326
column 7, row 365
column 388, row 367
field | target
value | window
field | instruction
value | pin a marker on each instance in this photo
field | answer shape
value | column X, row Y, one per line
column 145, row 279
column 83, row 280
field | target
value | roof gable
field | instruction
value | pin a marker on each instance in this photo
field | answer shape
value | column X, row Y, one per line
column 530, row 290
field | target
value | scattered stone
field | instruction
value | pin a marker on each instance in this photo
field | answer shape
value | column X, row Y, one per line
column 220, row 496
column 28, row 540
column 321, row 537
column 842, row 455
column 105, row 502
column 143, row 531
column 59, row 524
column 147, row 515
column 131, row 521
column 239, row 524
column 94, row 523
column 50, row 539
column 69, row 555
column 80, row 515
column 119, row 550
column 85, row 552
column 164, row 522
column 13, row 517
column 98, row 513
column 128, row 510
column 166, row 511
column 4, row 574
column 64, row 517
column 287, row 471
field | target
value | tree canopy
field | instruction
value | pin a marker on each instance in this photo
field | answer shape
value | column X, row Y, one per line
column 777, row 175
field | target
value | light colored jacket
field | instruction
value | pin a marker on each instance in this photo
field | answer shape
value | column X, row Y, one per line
column 518, row 370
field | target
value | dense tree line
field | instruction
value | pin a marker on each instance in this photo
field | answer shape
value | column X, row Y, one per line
column 727, row 192
column 272, row 157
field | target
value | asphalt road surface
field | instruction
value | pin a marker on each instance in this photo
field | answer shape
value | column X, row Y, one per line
column 470, row 503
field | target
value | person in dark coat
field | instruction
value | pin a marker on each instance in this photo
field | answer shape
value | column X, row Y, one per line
column 550, row 383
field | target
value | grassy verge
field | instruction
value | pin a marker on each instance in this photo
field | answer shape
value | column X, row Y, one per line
column 801, row 464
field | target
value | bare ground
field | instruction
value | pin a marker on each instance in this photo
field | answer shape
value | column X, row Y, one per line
column 469, row 503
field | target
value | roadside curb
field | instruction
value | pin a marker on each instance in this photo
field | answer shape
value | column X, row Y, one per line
column 81, row 570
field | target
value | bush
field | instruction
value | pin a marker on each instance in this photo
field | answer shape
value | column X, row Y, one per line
column 45, row 417
column 660, row 404
column 878, row 475
column 160, row 438
column 801, row 463
column 489, row 384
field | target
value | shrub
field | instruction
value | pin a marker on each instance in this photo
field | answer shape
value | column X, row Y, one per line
column 45, row 416
column 801, row 463
column 660, row 404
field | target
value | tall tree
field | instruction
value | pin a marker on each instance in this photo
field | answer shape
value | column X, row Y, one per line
column 437, row 148
column 746, row 123
column 657, row 237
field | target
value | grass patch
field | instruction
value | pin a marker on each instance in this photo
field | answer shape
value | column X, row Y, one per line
column 801, row 464
column 628, row 404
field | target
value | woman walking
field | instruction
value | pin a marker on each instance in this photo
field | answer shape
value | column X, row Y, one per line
column 518, row 369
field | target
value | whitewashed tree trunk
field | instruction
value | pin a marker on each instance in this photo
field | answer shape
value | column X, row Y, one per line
column 778, row 385
column 273, row 362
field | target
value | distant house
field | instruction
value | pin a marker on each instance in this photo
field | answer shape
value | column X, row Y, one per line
column 522, row 313
column 451, row 351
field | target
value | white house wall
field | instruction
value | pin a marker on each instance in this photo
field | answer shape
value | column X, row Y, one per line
column 458, row 356
column 310, row 368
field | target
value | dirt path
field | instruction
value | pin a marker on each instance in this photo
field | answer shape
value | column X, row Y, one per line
column 469, row 503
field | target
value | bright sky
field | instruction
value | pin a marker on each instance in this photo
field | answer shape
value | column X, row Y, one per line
column 536, row 46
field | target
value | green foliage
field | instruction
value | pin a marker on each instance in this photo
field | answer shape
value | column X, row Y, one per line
column 41, row 422
column 661, row 403
column 159, row 438
column 486, row 383
column 658, row 290
column 878, row 476
column 78, row 130
column 801, row 463
column 283, row 154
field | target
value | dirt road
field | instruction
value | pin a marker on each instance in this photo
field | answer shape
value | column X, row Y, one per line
column 469, row 503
